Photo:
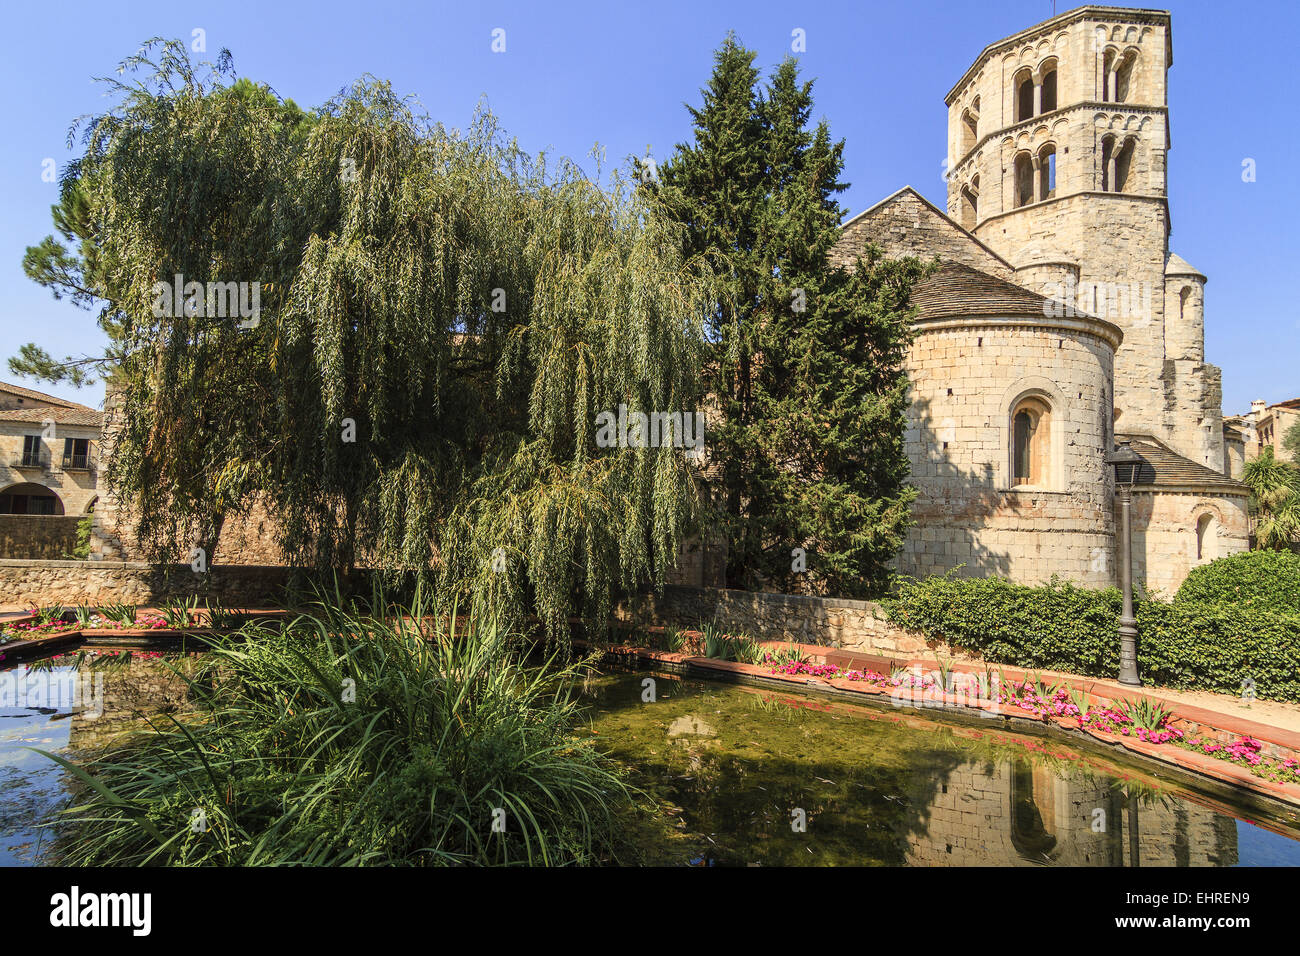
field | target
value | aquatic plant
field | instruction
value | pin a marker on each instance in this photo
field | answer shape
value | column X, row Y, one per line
column 340, row 739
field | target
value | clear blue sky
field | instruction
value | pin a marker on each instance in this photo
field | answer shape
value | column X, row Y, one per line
column 618, row 73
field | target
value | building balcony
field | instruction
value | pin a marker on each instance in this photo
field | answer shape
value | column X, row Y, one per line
column 28, row 460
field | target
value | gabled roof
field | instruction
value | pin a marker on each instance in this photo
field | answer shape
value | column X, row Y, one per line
column 1163, row 467
column 47, row 407
column 911, row 192
column 34, row 395
column 78, row 415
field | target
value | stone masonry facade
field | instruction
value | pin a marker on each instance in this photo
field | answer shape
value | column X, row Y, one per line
column 1060, row 321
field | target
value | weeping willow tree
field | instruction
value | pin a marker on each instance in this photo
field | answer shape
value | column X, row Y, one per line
column 439, row 320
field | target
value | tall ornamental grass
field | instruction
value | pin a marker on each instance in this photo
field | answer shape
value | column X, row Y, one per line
column 345, row 739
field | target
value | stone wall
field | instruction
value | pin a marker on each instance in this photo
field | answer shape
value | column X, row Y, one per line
column 967, row 377
column 1166, row 539
column 37, row 536
column 837, row 622
column 76, row 488
column 44, row 583
column 906, row 225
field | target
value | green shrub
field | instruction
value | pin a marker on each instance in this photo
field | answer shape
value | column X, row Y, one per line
column 340, row 739
column 1192, row 645
column 1268, row 580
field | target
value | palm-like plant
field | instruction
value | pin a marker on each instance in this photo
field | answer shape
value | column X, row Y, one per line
column 1274, row 499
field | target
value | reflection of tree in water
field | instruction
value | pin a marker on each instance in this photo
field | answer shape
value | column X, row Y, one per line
column 876, row 791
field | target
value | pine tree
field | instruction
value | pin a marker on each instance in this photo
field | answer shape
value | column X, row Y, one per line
column 806, row 357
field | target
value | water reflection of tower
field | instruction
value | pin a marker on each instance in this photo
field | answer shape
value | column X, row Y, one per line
column 1019, row 814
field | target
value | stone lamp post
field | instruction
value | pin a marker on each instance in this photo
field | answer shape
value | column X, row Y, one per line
column 1125, row 461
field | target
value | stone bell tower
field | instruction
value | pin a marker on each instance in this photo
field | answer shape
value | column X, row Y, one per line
column 1057, row 138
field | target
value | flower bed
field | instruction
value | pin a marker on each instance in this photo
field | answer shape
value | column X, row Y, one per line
column 835, row 672
column 30, row 630
column 1245, row 752
column 145, row 622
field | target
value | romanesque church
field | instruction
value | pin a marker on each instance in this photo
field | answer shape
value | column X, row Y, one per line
column 1060, row 320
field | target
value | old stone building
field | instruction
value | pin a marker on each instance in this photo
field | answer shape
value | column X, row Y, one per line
column 49, row 474
column 1060, row 321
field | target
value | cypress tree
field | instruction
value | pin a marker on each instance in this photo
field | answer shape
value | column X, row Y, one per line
column 805, row 356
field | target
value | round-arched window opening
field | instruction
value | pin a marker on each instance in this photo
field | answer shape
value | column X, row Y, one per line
column 1207, row 538
column 1024, row 95
column 1024, row 182
column 1124, row 77
column 1049, row 89
column 1031, row 452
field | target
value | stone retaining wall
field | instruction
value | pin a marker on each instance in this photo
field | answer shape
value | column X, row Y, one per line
column 43, row 583
column 836, row 622
column 38, row 536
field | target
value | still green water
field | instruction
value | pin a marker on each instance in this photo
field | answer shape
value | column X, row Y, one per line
column 734, row 775
column 740, row 776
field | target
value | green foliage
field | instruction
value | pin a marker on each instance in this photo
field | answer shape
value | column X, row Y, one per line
column 1274, row 499
column 1193, row 645
column 804, row 358
column 81, row 550
column 461, row 310
column 1145, row 713
column 123, row 614
column 1291, row 440
column 1266, row 580
column 179, row 612
column 339, row 739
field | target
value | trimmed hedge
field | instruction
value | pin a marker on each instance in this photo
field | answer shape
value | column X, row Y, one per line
column 1268, row 580
column 1187, row 645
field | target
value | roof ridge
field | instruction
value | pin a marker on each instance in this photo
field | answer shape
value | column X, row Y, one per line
column 33, row 393
column 937, row 211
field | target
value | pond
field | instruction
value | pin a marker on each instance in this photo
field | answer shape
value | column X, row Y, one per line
column 750, row 776
column 69, row 710
column 733, row 775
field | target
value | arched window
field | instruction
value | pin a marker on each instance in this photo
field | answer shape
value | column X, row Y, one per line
column 1049, row 88
column 1024, row 183
column 1047, row 172
column 1107, row 68
column 969, row 131
column 1184, row 294
column 1107, row 154
column 1124, row 77
column 1207, row 538
column 1024, row 95
column 1031, row 460
column 969, row 208
column 1123, row 165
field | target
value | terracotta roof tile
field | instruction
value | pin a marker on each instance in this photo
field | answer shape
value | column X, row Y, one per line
column 956, row 290
column 76, row 415
column 31, row 393
column 1161, row 465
